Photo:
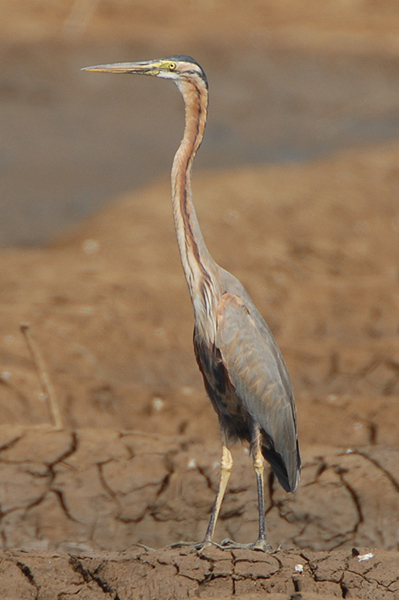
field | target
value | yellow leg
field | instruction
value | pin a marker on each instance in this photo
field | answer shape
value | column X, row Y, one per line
column 259, row 465
column 226, row 466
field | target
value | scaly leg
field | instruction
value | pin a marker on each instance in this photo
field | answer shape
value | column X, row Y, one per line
column 259, row 466
column 226, row 466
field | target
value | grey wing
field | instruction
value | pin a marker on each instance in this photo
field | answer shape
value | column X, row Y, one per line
column 257, row 370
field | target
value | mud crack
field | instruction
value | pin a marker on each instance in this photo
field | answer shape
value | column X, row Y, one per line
column 379, row 466
column 29, row 576
column 336, row 577
column 355, row 498
column 93, row 576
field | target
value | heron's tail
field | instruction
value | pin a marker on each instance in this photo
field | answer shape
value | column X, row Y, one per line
column 288, row 478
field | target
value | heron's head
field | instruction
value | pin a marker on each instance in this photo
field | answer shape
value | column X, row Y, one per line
column 179, row 68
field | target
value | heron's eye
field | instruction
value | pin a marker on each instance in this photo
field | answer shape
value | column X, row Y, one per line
column 172, row 66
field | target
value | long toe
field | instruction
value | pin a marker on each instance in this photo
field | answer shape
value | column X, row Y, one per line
column 199, row 546
column 181, row 544
column 260, row 545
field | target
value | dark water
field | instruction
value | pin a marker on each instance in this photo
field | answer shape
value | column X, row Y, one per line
column 70, row 141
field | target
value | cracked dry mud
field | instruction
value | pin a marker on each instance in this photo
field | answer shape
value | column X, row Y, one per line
column 168, row 574
column 138, row 459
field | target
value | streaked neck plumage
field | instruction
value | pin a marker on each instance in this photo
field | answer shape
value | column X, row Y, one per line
column 198, row 265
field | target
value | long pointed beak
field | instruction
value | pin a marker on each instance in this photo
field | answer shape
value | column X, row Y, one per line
column 142, row 68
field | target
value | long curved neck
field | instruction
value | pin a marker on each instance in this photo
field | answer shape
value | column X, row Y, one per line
column 198, row 265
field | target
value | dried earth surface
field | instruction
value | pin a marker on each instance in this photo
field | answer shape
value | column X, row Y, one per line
column 89, row 511
column 138, row 459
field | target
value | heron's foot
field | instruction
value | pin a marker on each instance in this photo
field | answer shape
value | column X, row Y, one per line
column 260, row 545
column 181, row 544
column 199, row 546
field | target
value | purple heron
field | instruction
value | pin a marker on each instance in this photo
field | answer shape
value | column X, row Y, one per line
column 244, row 372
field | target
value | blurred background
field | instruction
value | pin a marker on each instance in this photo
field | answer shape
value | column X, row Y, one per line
column 289, row 80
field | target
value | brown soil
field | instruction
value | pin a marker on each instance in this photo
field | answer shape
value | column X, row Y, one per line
column 316, row 246
column 136, row 464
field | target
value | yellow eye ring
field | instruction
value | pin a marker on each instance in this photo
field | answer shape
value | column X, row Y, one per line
column 172, row 66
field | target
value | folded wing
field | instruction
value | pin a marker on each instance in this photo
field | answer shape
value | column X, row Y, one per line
column 258, row 373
